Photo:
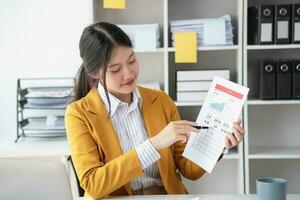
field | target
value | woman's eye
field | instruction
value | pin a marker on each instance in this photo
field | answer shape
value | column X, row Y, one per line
column 115, row 71
column 133, row 61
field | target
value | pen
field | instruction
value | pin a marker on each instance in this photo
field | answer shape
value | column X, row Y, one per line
column 201, row 127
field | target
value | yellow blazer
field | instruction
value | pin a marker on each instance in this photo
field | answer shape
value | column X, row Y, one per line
column 102, row 168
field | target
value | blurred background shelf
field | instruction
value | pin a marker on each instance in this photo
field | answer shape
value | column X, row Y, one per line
column 262, row 152
column 41, row 104
column 276, row 46
column 272, row 102
column 212, row 48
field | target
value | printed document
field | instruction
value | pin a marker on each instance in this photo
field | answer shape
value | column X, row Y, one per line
column 222, row 106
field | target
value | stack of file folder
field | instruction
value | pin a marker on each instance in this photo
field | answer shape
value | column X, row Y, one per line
column 44, row 123
column 279, row 79
column 193, row 85
column 48, row 97
column 274, row 24
column 41, row 104
column 210, row 32
column 144, row 37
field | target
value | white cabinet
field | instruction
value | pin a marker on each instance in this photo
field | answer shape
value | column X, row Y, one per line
column 272, row 145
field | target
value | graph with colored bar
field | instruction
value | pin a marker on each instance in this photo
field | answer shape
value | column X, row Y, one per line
column 218, row 106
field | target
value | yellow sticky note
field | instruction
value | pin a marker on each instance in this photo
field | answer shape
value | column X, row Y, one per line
column 185, row 47
column 114, row 4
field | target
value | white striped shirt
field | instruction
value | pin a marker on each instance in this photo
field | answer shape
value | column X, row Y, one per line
column 129, row 125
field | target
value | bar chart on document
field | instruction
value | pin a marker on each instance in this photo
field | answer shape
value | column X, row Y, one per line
column 222, row 106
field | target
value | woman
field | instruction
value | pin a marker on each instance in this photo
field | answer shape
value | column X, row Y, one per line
column 125, row 139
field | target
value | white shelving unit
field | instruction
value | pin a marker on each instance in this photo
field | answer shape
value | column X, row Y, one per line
column 272, row 145
column 231, row 167
column 159, row 65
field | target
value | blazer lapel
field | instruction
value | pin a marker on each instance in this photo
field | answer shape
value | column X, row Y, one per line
column 108, row 138
column 155, row 121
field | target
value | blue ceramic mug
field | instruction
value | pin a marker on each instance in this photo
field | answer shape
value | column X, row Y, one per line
column 271, row 188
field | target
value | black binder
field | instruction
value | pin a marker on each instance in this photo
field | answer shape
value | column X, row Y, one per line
column 296, row 24
column 253, row 25
column 283, row 23
column 296, row 79
column 266, row 24
column 267, row 85
column 284, row 80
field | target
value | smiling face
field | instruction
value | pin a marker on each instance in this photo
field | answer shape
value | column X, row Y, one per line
column 122, row 73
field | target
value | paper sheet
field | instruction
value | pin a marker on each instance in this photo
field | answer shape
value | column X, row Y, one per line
column 297, row 31
column 214, row 32
column 266, row 32
column 222, row 106
column 283, row 29
column 145, row 40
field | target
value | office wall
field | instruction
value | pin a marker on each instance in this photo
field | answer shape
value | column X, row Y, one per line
column 37, row 39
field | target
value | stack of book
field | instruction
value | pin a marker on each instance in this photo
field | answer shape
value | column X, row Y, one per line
column 193, row 85
column 144, row 37
column 212, row 31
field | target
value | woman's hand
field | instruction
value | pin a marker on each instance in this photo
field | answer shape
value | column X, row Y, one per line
column 234, row 138
column 173, row 132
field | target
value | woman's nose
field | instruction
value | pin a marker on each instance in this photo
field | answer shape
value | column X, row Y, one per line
column 127, row 73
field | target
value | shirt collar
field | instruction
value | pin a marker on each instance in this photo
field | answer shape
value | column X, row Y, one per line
column 115, row 102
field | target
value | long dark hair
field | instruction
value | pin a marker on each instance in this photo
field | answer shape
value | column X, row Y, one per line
column 96, row 45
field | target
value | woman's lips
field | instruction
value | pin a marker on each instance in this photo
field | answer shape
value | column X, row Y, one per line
column 129, row 82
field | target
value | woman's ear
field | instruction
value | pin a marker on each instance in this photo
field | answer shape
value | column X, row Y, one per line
column 93, row 82
column 98, row 76
column 101, row 76
column 94, row 76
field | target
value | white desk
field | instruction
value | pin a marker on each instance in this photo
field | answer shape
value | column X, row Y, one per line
column 58, row 147
column 200, row 197
column 30, row 147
